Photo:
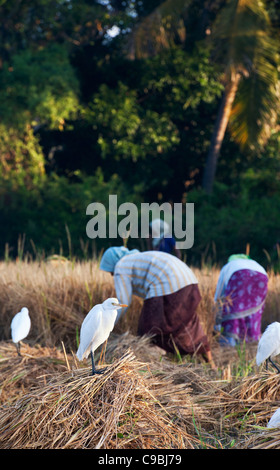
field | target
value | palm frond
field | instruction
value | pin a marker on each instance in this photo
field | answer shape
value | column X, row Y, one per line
column 243, row 40
column 237, row 33
column 255, row 108
column 160, row 29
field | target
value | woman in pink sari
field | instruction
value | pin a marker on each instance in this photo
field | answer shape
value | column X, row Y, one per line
column 240, row 294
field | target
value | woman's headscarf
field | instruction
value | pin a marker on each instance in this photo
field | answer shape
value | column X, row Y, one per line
column 112, row 255
column 238, row 256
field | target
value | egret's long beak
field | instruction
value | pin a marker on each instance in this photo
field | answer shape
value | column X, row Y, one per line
column 123, row 305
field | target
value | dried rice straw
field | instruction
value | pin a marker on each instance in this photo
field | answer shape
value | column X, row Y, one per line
column 76, row 410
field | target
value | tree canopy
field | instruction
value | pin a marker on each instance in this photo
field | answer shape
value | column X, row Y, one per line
column 121, row 97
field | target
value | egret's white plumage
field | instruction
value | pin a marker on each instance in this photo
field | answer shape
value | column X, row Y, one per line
column 20, row 326
column 97, row 327
column 269, row 344
column 274, row 421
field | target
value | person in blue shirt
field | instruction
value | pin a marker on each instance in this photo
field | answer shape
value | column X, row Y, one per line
column 160, row 238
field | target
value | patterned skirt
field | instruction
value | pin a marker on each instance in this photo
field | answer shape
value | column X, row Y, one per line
column 243, row 306
column 173, row 322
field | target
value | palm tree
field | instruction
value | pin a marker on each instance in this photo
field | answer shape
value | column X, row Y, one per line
column 242, row 41
column 242, row 36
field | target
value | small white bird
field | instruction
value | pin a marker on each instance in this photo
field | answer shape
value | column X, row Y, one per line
column 274, row 421
column 96, row 328
column 20, row 327
column 269, row 345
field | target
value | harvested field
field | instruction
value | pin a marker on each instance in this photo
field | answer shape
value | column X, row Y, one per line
column 146, row 399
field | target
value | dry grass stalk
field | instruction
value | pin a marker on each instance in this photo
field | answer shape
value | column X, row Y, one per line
column 76, row 410
column 261, row 386
column 58, row 298
column 193, row 394
column 146, row 399
column 60, row 295
column 188, row 395
column 18, row 375
column 249, row 404
column 267, row 439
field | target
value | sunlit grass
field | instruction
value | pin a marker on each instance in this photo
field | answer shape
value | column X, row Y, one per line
column 224, row 408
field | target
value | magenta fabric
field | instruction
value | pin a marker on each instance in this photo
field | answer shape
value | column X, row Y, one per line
column 246, row 289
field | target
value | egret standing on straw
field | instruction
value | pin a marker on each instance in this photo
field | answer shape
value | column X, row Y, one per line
column 20, row 327
column 96, row 329
column 269, row 345
column 274, row 421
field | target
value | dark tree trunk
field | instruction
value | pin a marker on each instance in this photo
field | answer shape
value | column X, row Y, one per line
column 218, row 134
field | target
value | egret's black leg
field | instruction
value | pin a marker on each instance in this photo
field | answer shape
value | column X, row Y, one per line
column 18, row 348
column 274, row 365
column 92, row 363
column 266, row 363
column 94, row 370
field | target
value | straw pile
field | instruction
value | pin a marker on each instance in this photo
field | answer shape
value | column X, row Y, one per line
column 267, row 439
column 18, row 375
column 49, row 400
column 119, row 409
column 259, row 394
column 147, row 398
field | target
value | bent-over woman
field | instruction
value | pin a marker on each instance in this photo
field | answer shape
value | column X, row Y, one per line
column 240, row 294
column 171, row 295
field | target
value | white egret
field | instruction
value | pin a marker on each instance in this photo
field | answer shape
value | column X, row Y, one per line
column 96, row 328
column 274, row 421
column 20, row 327
column 269, row 345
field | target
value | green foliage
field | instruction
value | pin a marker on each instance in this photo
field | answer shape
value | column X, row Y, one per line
column 180, row 83
column 79, row 121
column 230, row 219
column 37, row 23
column 52, row 217
column 21, row 158
column 43, row 86
column 125, row 129
column 163, row 122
